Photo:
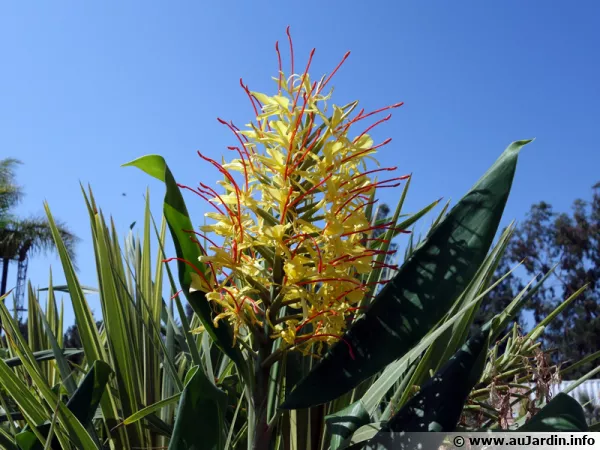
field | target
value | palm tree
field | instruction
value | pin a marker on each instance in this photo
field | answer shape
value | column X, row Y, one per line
column 22, row 238
column 10, row 192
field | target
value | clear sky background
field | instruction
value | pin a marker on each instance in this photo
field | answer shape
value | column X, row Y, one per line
column 87, row 86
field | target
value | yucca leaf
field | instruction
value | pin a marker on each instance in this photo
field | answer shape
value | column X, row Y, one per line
column 82, row 404
column 44, row 355
column 151, row 409
column 86, row 398
column 420, row 294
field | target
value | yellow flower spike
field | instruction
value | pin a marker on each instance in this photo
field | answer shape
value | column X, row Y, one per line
column 296, row 227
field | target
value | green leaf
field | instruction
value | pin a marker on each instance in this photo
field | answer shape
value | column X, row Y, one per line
column 420, row 294
column 439, row 403
column 6, row 441
column 178, row 219
column 65, row 288
column 85, row 400
column 200, row 415
column 43, row 355
column 151, row 409
column 563, row 413
column 344, row 423
column 392, row 373
column 83, row 405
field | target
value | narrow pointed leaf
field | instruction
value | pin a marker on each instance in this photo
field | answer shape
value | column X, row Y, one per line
column 44, row 355
column 85, row 400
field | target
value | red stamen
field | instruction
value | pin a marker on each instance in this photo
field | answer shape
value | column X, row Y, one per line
column 200, row 194
column 315, row 244
column 291, row 48
column 381, row 265
column 379, row 183
column 350, row 351
column 234, row 249
column 243, row 163
column 324, row 180
column 198, row 271
column 285, row 206
column 333, row 73
column 250, row 97
column 203, row 236
column 361, row 117
column 237, row 306
column 212, row 269
column 307, row 151
column 237, row 129
column 221, row 169
column 308, row 129
column 355, row 210
column 234, row 131
column 378, row 240
column 350, row 258
column 385, row 119
column 310, row 57
column 255, row 307
column 387, row 141
column 385, row 225
column 176, row 294
column 363, row 174
column 322, row 280
column 279, row 61
column 291, row 149
column 230, row 212
column 346, row 293
column 313, row 317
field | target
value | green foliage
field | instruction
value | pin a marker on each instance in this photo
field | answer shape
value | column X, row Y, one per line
column 415, row 365
column 420, row 294
column 571, row 241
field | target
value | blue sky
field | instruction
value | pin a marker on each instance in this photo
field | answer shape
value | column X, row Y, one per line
column 88, row 86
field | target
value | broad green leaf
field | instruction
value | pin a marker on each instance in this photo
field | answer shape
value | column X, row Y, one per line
column 178, row 220
column 420, row 294
column 200, row 415
column 344, row 423
column 563, row 413
column 454, row 338
column 394, row 371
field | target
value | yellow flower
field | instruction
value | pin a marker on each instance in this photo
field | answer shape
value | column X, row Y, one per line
column 294, row 229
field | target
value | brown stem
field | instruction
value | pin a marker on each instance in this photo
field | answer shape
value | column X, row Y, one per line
column 262, row 431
